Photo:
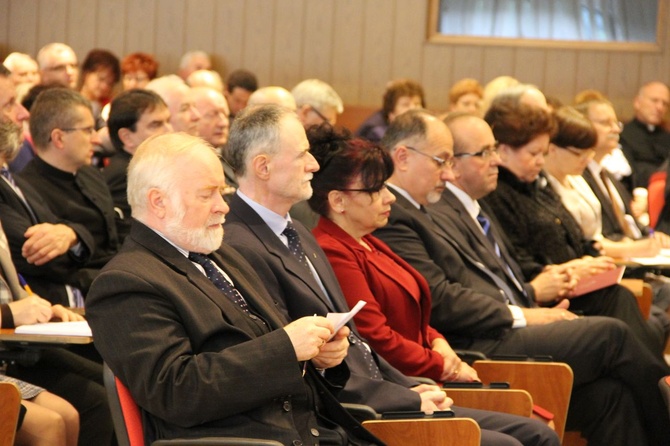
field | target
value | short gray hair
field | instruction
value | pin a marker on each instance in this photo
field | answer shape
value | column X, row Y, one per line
column 254, row 130
column 317, row 94
column 409, row 126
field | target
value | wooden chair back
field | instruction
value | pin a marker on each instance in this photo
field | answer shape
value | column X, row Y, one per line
column 426, row 432
column 511, row 401
column 10, row 405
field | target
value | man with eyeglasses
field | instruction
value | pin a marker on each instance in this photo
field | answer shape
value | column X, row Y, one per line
column 472, row 304
column 62, row 128
column 644, row 140
column 58, row 65
column 317, row 102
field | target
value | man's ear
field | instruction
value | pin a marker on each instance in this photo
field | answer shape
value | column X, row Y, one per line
column 156, row 200
column 302, row 112
column 125, row 135
column 56, row 138
column 400, row 158
column 260, row 164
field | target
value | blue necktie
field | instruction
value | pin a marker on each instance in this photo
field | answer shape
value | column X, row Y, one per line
column 218, row 279
column 294, row 244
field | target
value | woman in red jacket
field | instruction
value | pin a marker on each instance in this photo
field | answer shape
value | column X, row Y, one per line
column 351, row 196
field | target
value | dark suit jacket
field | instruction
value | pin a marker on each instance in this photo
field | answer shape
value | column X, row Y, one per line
column 82, row 198
column 47, row 280
column 646, row 151
column 116, row 177
column 452, row 218
column 296, row 293
column 467, row 303
column 611, row 228
column 195, row 361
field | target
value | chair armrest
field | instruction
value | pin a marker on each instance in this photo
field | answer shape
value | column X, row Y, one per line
column 470, row 356
column 423, row 380
column 216, row 441
column 361, row 412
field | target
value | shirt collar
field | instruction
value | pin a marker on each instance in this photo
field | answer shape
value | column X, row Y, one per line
column 276, row 222
column 405, row 194
column 471, row 206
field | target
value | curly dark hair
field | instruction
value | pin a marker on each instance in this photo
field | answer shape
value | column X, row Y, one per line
column 342, row 158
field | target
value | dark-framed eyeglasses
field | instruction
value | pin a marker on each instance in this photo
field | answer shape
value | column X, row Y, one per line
column 581, row 153
column 441, row 162
column 368, row 190
column 485, row 152
column 319, row 114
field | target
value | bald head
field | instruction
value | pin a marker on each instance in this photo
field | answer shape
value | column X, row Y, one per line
column 651, row 103
column 214, row 115
column 272, row 95
column 205, row 78
column 176, row 94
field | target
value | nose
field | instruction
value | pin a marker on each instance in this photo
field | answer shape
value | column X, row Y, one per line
column 167, row 127
column 495, row 159
column 195, row 114
column 22, row 114
column 95, row 138
column 220, row 205
column 447, row 173
column 387, row 196
column 312, row 163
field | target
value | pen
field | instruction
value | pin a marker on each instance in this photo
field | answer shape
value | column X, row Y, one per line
column 25, row 285
column 304, row 366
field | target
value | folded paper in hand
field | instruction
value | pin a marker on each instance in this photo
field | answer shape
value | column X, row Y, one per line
column 340, row 319
column 77, row 328
column 599, row 281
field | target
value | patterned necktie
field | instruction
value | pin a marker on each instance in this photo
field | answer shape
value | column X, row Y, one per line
column 218, row 279
column 294, row 244
column 485, row 223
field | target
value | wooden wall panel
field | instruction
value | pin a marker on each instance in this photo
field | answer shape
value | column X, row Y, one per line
column 140, row 28
column 377, row 50
column 356, row 45
column 259, row 26
column 347, row 55
column 288, row 43
column 317, row 41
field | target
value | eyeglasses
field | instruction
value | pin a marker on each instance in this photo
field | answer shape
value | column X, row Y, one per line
column 610, row 123
column 486, row 152
column 369, row 190
column 319, row 114
column 582, row 153
column 441, row 162
column 88, row 130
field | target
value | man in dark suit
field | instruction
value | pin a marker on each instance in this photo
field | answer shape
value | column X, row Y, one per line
column 208, row 355
column 270, row 153
column 475, row 309
column 46, row 250
column 134, row 116
column 62, row 127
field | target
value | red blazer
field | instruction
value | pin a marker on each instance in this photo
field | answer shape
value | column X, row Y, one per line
column 395, row 324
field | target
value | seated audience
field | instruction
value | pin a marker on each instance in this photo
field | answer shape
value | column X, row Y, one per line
column 466, row 96
column 58, row 65
column 135, row 115
column 240, row 84
column 400, row 95
column 213, row 357
column 351, row 196
column 269, row 149
column 100, row 72
column 644, row 141
column 184, row 116
column 62, row 127
column 137, row 69
column 541, row 231
column 316, row 102
column 474, row 308
column 205, row 78
column 193, row 61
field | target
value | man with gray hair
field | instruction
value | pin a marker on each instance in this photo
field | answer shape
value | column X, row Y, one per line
column 23, row 67
column 316, row 102
column 58, row 65
column 272, row 95
column 193, row 61
column 184, row 116
column 205, row 78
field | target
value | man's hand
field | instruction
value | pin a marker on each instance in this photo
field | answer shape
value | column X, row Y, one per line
column 65, row 315
column 334, row 351
column 308, row 335
column 30, row 310
column 432, row 398
column 542, row 316
column 46, row 241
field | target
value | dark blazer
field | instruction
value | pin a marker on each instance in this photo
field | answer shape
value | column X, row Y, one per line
column 611, row 228
column 467, row 303
column 82, row 198
column 47, row 280
column 450, row 216
column 194, row 361
column 296, row 293
column 116, row 177
column 646, row 151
